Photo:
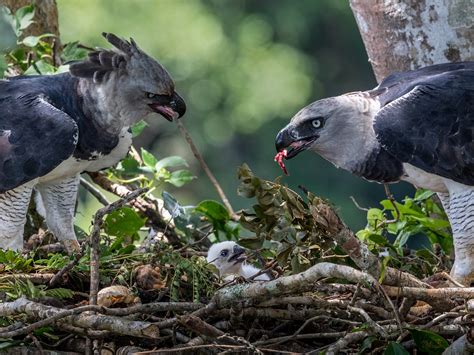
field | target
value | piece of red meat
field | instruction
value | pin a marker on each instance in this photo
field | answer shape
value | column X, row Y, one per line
column 279, row 159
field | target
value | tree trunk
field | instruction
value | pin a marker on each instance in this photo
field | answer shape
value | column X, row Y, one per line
column 401, row 35
column 45, row 19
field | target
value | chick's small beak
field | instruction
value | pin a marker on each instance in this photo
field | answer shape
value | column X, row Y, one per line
column 238, row 254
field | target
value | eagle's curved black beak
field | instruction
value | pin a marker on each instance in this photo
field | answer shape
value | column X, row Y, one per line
column 170, row 107
column 285, row 140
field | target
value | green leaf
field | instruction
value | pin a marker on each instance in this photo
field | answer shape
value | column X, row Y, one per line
column 72, row 51
column 40, row 67
column 170, row 162
column 129, row 166
column 213, row 210
column 123, row 222
column 24, row 17
column 395, row 349
column 180, row 177
column 422, row 195
column 138, row 127
column 32, row 41
column 148, row 159
column 378, row 239
column 428, row 342
column 374, row 217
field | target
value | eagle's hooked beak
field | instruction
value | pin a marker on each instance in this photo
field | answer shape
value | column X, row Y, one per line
column 238, row 255
column 287, row 138
column 173, row 108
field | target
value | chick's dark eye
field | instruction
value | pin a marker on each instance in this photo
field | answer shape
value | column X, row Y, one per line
column 150, row 95
column 224, row 252
column 317, row 122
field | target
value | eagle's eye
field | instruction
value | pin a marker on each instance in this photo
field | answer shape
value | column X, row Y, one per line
column 317, row 122
column 150, row 95
column 224, row 253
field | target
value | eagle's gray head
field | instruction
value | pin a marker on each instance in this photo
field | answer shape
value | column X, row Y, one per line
column 337, row 128
column 130, row 82
column 227, row 257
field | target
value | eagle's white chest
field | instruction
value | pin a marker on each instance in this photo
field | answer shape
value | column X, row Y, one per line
column 421, row 178
column 73, row 166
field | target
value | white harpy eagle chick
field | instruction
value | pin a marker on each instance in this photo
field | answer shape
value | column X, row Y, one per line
column 416, row 126
column 54, row 127
column 229, row 258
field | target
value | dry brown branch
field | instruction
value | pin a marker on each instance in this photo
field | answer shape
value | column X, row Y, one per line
column 143, row 308
column 206, row 169
column 95, row 237
column 440, row 298
column 83, row 320
column 372, row 324
column 144, row 205
column 342, row 343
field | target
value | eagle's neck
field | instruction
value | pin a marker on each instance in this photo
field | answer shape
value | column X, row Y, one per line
column 352, row 139
column 356, row 148
column 109, row 104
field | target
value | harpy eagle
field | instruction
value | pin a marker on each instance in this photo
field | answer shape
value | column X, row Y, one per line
column 229, row 258
column 416, row 126
column 54, row 127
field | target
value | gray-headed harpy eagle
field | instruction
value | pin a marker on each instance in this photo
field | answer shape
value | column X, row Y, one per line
column 54, row 127
column 416, row 126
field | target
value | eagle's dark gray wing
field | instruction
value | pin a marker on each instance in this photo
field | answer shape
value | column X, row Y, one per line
column 35, row 137
column 431, row 124
column 400, row 83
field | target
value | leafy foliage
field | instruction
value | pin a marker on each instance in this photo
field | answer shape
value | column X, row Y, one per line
column 281, row 220
column 389, row 229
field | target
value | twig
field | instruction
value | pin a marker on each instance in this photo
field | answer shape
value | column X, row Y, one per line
column 359, row 207
column 94, row 192
column 377, row 328
column 283, row 339
column 69, row 266
column 191, row 349
column 94, row 240
column 206, row 169
column 450, row 279
column 394, row 203
column 348, row 339
column 265, row 271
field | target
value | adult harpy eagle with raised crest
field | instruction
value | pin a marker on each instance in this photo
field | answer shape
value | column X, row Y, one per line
column 52, row 128
column 416, row 126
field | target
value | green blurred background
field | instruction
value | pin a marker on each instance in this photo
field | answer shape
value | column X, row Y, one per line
column 244, row 68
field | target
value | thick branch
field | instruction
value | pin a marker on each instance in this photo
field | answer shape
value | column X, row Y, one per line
column 294, row 284
column 84, row 320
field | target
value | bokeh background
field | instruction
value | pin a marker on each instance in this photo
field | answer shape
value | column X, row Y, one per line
column 244, row 68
